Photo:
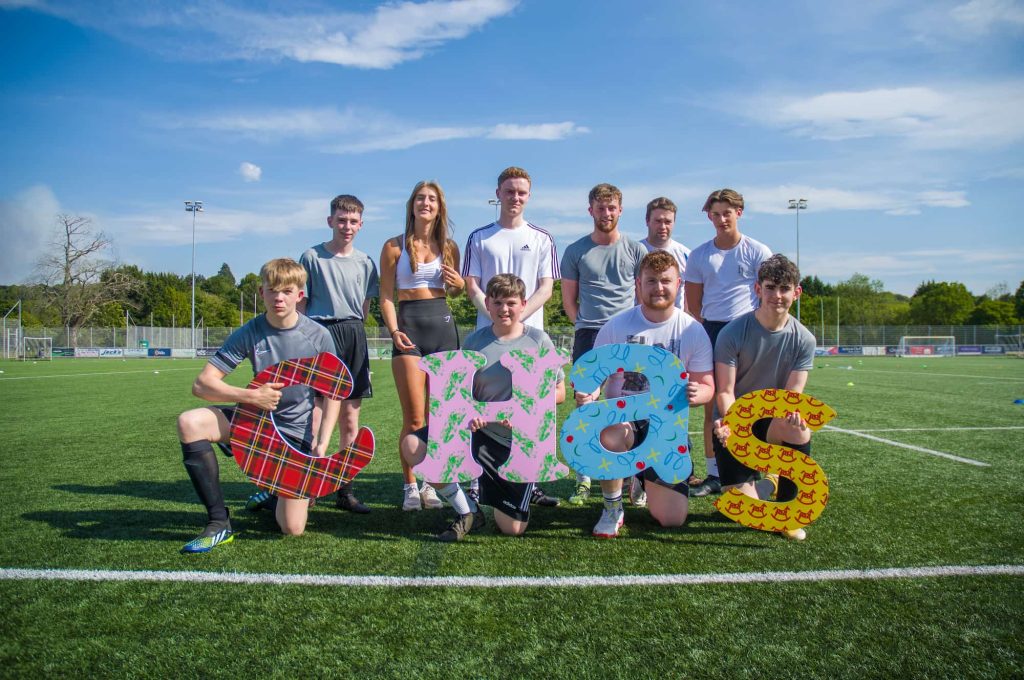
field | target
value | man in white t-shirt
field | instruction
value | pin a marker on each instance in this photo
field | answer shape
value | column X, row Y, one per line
column 511, row 246
column 661, row 218
column 658, row 322
column 720, row 277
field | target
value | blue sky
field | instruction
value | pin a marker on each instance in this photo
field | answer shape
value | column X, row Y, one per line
column 901, row 123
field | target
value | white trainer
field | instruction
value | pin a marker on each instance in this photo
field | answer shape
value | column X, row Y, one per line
column 637, row 495
column 412, row 499
column 610, row 523
column 429, row 498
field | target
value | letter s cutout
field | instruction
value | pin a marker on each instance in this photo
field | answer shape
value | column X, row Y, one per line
column 801, row 469
column 665, row 407
column 270, row 461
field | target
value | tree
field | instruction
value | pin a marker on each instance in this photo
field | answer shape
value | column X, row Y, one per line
column 1018, row 301
column 815, row 287
column 990, row 312
column 942, row 303
column 77, row 280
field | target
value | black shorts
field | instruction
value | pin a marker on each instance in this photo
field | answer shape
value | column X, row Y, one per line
column 731, row 471
column 430, row 326
column 713, row 328
column 583, row 342
column 225, row 447
column 511, row 498
column 648, row 475
column 349, row 338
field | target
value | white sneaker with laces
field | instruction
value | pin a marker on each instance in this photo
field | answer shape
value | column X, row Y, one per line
column 429, row 498
column 610, row 523
column 412, row 499
column 637, row 495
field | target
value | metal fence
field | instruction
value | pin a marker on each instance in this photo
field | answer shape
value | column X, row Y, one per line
column 181, row 338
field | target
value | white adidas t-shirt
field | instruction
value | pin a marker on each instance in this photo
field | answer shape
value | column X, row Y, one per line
column 728, row 277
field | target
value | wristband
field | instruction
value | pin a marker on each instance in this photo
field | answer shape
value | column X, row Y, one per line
column 393, row 332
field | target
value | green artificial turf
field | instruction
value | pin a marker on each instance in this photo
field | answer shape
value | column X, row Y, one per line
column 92, row 479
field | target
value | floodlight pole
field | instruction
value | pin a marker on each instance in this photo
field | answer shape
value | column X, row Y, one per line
column 495, row 202
column 194, row 207
column 798, row 204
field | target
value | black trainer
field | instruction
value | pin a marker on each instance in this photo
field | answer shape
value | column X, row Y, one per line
column 711, row 485
column 458, row 529
column 348, row 501
column 538, row 497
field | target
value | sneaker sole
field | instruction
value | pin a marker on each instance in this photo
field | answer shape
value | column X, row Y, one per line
column 615, row 535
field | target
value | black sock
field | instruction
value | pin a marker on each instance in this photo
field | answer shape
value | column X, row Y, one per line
column 203, row 470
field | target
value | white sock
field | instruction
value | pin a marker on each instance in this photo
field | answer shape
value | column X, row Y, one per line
column 612, row 502
column 406, row 487
column 712, row 465
column 582, row 479
column 456, row 497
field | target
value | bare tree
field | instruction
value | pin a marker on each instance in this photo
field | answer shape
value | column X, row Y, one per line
column 77, row 279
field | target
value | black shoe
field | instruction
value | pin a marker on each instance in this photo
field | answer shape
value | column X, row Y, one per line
column 709, row 486
column 348, row 501
column 458, row 529
column 538, row 497
column 479, row 520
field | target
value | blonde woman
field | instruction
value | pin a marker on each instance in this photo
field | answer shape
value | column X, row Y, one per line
column 420, row 268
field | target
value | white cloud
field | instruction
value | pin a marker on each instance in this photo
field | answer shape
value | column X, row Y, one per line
column 250, row 172
column 775, row 200
column 392, row 33
column 981, row 16
column 951, row 116
column 26, row 223
column 361, row 131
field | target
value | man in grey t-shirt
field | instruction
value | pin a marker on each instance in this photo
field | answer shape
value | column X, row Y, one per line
column 599, row 274
column 764, row 349
column 341, row 282
column 279, row 334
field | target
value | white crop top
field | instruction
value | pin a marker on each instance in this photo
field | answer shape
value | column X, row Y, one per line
column 427, row 274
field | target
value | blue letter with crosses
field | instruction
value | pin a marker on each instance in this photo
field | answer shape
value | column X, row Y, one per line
column 665, row 407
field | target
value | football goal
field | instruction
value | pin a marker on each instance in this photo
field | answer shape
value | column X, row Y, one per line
column 38, row 349
column 926, row 345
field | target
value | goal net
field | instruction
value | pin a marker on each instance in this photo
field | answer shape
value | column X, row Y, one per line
column 926, row 345
column 38, row 349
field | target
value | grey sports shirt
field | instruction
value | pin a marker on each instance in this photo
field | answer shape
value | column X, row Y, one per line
column 606, row 276
column 263, row 345
column 336, row 285
column 763, row 359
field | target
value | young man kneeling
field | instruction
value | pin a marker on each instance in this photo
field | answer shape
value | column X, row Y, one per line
column 491, row 441
column 279, row 334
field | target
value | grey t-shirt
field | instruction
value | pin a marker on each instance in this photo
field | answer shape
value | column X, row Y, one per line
column 263, row 345
column 493, row 382
column 336, row 285
column 763, row 359
column 606, row 276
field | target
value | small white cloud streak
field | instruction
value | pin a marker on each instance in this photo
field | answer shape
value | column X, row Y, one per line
column 775, row 200
column 363, row 131
column 390, row 34
column 982, row 16
column 250, row 172
column 950, row 116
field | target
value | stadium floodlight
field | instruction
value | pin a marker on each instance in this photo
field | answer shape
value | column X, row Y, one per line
column 495, row 202
column 798, row 204
column 194, row 207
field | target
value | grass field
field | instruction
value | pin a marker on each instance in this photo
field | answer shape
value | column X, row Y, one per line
column 92, row 480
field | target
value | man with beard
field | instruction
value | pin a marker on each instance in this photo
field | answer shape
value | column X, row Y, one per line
column 599, row 274
column 658, row 322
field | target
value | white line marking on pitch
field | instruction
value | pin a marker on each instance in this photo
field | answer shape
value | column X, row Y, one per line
column 75, row 375
column 508, row 581
column 937, row 429
column 902, row 374
column 932, row 452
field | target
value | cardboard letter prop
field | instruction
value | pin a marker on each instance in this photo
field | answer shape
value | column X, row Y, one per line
column 270, row 461
column 812, row 495
column 665, row 406
column 531, row 411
